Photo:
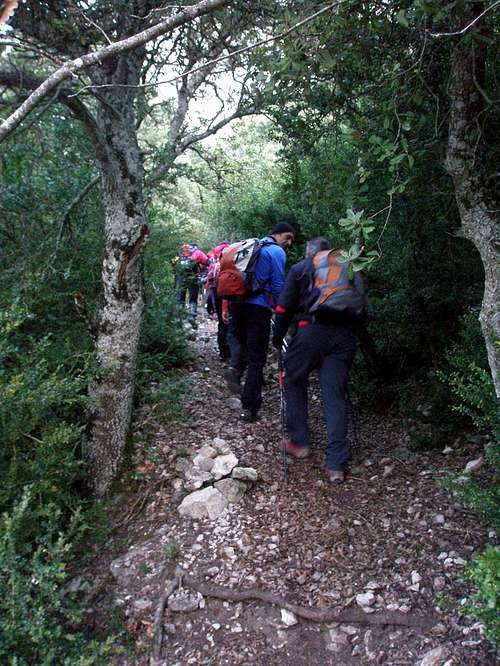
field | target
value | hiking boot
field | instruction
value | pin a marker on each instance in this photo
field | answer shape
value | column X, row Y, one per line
column 296, row 451
column 233, row 380
column 336, row 476
column 248, row 416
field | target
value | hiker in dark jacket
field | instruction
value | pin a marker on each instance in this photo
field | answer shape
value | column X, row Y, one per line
column 214, row 303
column 325, row 342
column 191, row 262
column 251, row 320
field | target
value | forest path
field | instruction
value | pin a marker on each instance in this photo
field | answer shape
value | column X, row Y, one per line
column 390, row 531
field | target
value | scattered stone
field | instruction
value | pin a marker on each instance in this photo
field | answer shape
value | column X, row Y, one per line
column 177, row 484
column 202, row 503
column 245, row 474
column 142, row 604
column 288, row 618
column 365, row 600
column 184, row 601
column 435, row 657
column 223, row 465
column 473, row 465
column 439, row 519
column 337, row 640
column 415, row 577
column 388, row 469
column 234, row 403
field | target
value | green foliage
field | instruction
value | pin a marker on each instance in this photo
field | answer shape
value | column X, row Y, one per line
column 484, row 604
column 171, row 549
column 38, row 418
column 38, row 618
column 482, row 495
column 46, row 365
column 469, row 378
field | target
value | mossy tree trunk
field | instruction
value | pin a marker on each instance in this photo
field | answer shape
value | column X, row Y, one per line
column 468, row 164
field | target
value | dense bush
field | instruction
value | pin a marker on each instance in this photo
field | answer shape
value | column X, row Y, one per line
column 484, row 604
column 38, row 617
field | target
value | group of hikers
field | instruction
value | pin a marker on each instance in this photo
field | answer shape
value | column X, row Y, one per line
column 320, row 301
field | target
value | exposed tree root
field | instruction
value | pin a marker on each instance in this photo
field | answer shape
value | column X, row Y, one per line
column 158, row 623
column 351, row 615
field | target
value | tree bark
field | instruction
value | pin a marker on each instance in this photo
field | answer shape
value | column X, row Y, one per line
column 121, row 310
column 477, row 203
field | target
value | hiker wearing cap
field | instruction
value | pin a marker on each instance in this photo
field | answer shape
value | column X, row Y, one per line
column 251, row 319
column 325, row 341
column 189, row 266
column 214, row 303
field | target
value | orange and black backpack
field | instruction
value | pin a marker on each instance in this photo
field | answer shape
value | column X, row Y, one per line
column 335, row 287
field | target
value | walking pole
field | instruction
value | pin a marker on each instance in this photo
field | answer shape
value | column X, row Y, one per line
column 282, row 410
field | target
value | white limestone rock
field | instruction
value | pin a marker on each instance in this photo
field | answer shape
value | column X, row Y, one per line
column 245, row 474
column 221, row 445
column 232, row 489
column 288, row 618
column 203, row 462
column 223, row 465
column 473, row 465
column 207, row 451
column 195, row 478
column 435, row 657
column 208, row 502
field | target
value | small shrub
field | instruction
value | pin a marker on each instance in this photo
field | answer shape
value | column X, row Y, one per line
column 38, row 621
column 171, row 549
column 484, row 604
column 468, row 376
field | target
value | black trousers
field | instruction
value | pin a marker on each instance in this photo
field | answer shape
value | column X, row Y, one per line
column 251, row 325
column 330, row 350
column 190, row 284
column 222, row 328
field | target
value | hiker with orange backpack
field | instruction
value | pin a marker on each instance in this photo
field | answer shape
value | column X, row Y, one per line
column 252, row 275
column 325, row 300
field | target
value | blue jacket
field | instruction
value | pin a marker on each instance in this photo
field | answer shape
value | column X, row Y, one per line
column 270, row 273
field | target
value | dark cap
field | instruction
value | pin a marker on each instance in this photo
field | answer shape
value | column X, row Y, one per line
column 282, row 228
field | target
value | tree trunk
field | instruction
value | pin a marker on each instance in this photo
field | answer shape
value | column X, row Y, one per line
column 121, row 310
column 478, row 206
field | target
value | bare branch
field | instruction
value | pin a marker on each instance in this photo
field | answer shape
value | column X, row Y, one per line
column 215, row 61
column 139, row 39
column 469, row 25
column 78, row 198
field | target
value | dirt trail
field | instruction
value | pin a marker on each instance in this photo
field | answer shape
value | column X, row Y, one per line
column 390, row 532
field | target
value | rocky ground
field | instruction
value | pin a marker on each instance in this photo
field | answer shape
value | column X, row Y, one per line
column 383, row 551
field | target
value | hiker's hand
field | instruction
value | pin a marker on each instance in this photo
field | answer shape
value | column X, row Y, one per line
column 225, row 317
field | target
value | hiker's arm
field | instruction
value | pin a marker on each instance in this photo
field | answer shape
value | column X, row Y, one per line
column 286, row 308
column 277, row 278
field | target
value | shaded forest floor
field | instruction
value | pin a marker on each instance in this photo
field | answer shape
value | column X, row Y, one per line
column 391, row 530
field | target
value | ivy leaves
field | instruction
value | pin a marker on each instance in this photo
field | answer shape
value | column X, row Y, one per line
column 360, row 229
